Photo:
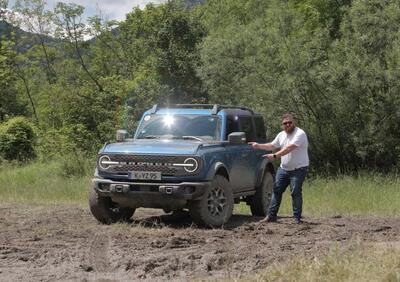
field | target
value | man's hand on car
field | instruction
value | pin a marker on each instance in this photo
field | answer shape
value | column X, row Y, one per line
column 270, row 156
column 254, row 145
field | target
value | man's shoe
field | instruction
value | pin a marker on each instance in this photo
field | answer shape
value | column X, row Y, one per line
column 267, row 219
column 297, row 220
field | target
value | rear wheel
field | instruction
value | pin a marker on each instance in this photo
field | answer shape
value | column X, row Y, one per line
column 106, row 211
column 216, row 206
column 260, row 201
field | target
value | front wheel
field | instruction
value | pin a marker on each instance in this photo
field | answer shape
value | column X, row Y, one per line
column 106, row 211
column 216, row 206
column 260, row 201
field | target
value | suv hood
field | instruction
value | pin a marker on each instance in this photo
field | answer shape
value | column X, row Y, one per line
column 170, row 147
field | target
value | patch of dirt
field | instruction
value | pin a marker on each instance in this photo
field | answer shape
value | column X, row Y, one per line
column 66, row 243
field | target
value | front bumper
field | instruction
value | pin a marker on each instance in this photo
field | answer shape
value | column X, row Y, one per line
column 167, row 191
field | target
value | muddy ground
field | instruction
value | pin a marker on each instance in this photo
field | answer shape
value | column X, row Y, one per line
column 66, row 243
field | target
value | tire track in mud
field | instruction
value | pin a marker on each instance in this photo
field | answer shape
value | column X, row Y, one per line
column 70, row 245
column 98, row 253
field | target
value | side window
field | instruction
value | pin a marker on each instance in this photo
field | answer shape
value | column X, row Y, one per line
column 246, row 125
column 232, row 125
column 260, row 129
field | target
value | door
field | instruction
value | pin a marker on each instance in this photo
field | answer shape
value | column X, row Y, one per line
column 241, row 156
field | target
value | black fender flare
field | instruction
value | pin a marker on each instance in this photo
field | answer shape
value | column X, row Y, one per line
column 266, row 165
column 218, row 166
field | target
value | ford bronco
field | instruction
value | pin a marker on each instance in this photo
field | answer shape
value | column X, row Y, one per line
column 193, row 157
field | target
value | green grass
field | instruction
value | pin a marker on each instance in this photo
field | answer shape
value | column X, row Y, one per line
column 367, row 194
column 40, row 183
column 355, row 262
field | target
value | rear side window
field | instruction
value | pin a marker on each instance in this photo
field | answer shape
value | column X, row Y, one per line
column 246, row 125
column 260, row 129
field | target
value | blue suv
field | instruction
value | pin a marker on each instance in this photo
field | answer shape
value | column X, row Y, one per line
column 193, row 157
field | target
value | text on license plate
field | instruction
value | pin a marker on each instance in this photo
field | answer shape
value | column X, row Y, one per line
column 144, row 175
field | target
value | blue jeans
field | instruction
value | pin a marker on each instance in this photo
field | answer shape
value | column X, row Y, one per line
column 282, row 180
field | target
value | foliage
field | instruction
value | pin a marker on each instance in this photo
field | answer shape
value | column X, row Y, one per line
column 365, row 66
column 17, row 138
column 42, row 183
column 10, row 105
column 335, row 64
column 161, row 44
column 338, row 88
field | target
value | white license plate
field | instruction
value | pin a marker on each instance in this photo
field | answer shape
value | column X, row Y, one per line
column 144, row 175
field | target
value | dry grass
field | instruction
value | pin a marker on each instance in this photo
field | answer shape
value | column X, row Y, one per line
column 367, row 194
column 354, row 262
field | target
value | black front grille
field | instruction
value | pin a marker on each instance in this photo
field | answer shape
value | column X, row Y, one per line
column 146, row 158
column 129, row 167
column 163, row 164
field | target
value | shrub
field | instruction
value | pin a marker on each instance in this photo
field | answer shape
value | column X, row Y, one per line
column 17, row 139
column 76, row 164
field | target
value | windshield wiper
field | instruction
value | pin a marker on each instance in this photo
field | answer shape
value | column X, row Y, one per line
column 171, row 137
column 149, row 137
column 192, row 138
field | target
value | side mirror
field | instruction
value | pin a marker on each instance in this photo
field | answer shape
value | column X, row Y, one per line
column 237, row 138
column 121, row 135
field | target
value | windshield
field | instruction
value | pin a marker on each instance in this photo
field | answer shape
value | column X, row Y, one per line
column 190, row 127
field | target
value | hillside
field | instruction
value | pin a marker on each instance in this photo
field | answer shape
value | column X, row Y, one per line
column 25, row 39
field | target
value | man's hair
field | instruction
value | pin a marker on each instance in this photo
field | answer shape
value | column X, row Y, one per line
column 287, row 116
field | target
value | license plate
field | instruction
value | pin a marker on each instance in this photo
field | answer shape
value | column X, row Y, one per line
column 144, row 175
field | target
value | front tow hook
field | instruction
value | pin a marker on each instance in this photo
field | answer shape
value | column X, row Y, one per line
column 119, row 188
column 168, row 189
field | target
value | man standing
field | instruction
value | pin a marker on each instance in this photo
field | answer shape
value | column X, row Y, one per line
column 293, row 145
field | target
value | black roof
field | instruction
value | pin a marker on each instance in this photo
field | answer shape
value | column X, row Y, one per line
column 230, row 110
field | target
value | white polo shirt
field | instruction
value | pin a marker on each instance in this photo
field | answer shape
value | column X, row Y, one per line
column 299, row 156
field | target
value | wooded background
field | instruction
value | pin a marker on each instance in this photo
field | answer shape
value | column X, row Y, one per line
column 66, row 85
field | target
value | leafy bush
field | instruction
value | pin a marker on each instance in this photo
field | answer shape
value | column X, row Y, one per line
column 17, row 139
column 76, row 164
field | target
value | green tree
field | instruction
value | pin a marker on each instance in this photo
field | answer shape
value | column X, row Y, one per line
column 39, row 23
column 322, row 13
column 17, row 139
column 72, row 30
column 276, row 64
column 366, row 67
column 10, row 104
column 163, row 39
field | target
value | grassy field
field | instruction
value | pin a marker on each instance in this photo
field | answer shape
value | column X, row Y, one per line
column 367, row 194
column 353, row 262
column 40, row 183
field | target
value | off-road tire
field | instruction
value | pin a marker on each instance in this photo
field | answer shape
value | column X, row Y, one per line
column 260, row 201
column 106, row 211
column 216, row 206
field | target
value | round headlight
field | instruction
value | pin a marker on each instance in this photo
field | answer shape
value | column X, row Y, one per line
column 104, row 162
column 191, row 165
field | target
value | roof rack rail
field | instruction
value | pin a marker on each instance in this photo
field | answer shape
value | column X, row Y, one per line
column 215, row 107
column 221, row 107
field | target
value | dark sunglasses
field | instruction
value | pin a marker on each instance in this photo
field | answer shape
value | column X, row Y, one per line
column 287, row 123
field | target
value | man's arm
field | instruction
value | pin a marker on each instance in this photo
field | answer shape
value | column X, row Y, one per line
column 266, row 146
column 284, row 151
